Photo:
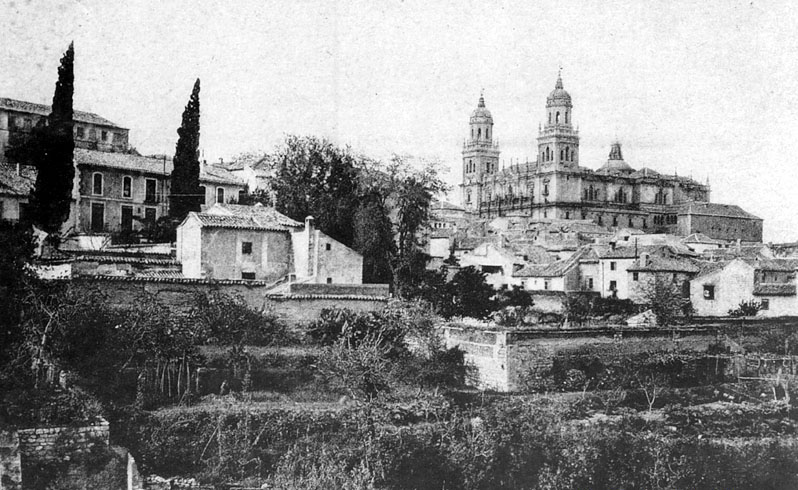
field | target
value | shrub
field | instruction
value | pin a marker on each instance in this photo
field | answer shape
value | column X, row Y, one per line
column 227, row 319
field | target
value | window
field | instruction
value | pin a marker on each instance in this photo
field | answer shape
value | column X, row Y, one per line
column 97, row 184
column 590, row 283
column 104, row 135
column 23, row 211
column 97, row 217
column 150, row 191
column 614, row 221
column 613, row 285
column 765, row 304
column 567, row 215
column 635, row 276
column 645, row 224
column 249, row 276
column 709, row 291
column 557, row 118
column 127, row 187
column 126, row 220
column 246, row 248
column 612, row 266
column 80, row 132
column 220, row 195
column 329, row 280
column 546, row 284
column 242, row 195
column 150, row 215
column 92, row 134
column 327, row 246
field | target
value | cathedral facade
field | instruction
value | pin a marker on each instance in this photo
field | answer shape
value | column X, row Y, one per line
column 556, row 186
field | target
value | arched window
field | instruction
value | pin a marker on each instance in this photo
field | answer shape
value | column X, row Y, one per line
column 614, row 221
column 472, row 133
column 487, row 133
column 127, row 187
column 220, row 195
column 97, row 184
column 585, row 195
column 468, row 197
column 479, row 133
column 557, row 118
column 562, row 154
column 566, row 117
column 567, row 153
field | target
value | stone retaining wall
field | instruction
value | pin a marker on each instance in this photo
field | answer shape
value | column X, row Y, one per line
column 52, row 443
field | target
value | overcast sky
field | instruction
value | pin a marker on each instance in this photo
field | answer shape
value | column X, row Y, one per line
column 705, row 88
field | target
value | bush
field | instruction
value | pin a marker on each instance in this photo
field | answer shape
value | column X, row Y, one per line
column 227, row 319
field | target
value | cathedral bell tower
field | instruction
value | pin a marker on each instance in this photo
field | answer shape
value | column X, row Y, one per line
column 480, row 156
column 558, row 141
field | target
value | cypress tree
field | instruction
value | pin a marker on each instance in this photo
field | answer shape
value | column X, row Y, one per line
column 51, row 198
column 185, row 193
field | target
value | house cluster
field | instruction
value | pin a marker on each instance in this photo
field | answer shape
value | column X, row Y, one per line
column 116, row 190
column 556, row 257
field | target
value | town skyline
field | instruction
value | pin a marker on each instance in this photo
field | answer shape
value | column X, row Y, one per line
column 702, row 92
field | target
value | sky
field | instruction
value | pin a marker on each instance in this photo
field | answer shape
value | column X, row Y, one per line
column 707, row 89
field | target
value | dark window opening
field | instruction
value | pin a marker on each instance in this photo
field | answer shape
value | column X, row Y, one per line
column 246, row 248
column 329, row 280
column 249, row 276
column 765, row 304
column 635, row 276
column 97, row 184
column 127, row 187
column 612, row 266
column 150, row 191
column 709, row 291
column 328, row 246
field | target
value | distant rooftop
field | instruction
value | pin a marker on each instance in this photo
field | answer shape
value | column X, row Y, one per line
column 45, row 110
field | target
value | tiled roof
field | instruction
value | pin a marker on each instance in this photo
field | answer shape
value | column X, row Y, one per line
column 125, row 259
column 774, row 289
column 701, row 238
column 705, row 268
column 218, row 175
column 358, row 297
column 665, row 264
column 170, row 279
column 150, row 165
column 783, row 265
column 45, row 110
column 260, row 214
column 234, row 222
column 715, row 209
column 555, row 269
column 123, row 161
column 16, row 184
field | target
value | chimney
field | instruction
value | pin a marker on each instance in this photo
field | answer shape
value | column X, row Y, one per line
column 309, row 224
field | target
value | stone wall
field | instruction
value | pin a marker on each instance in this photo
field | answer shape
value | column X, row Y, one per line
column 52, row 443
column 179, row 294
column 10, row 461
column 501, row 358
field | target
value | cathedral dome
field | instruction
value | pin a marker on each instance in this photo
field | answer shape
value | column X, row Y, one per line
column 481, row 112
column 615, row 162
column 559, row 96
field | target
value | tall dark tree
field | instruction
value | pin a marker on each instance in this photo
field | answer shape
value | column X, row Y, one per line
column 374, row 239
column 185, row 194
column 51, row 198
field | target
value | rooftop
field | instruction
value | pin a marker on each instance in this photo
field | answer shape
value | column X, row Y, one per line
column 715, row 209
column 235, row 216
column 149, row 165
column 45, row 110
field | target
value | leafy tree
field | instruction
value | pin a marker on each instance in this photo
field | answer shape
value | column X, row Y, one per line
column 51, row 197
column 315, row 178
column 666, row 300
column 471, row 295
column 16, row 249
column 185, row 194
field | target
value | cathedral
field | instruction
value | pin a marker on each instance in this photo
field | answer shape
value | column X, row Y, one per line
column 556, row 186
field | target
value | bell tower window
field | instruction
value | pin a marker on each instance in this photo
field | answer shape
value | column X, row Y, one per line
column 557, row 118
column 479, row 133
